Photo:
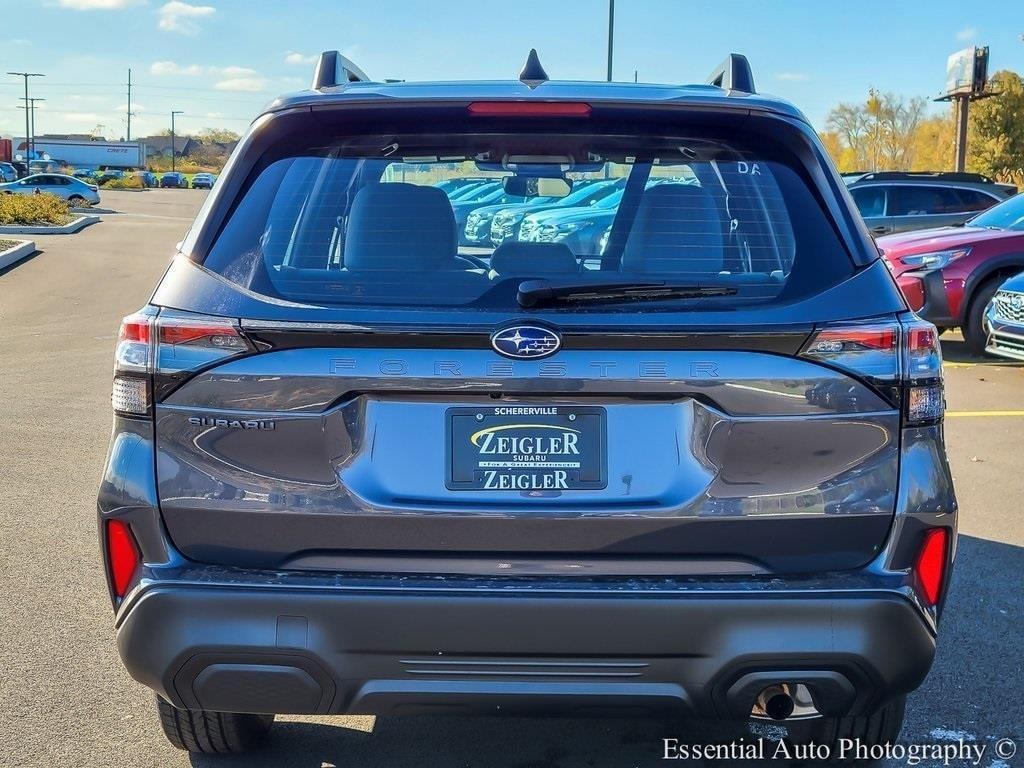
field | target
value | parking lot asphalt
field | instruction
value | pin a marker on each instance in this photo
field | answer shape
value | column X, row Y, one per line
column 66, row 700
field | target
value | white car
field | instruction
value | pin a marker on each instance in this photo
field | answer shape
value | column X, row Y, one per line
column 75, row 191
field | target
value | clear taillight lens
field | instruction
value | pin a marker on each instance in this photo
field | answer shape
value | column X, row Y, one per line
column 171, row 343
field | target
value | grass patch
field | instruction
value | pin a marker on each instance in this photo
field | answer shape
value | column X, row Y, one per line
column 8, row 244
column 27, row 210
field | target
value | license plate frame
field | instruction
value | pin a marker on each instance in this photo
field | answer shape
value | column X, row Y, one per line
column 558, row 429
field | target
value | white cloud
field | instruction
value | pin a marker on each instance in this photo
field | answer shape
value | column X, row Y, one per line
column 177, row 16
column 233, row 71
column 135, row 108
column 214, row 115
column 173, row 68
column 793, row 77
column 299, row 58
column 967, row 33
column 246, row 84
column 96, row 5
column 16, row 41
column 81, row 117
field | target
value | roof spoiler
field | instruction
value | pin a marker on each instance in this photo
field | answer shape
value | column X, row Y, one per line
column 334, row 69
column 733, row 74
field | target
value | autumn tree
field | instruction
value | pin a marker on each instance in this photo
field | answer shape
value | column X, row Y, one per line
column 995, row 143
column 876, row 135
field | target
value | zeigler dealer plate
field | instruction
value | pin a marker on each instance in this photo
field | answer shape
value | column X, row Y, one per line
column 526, row 448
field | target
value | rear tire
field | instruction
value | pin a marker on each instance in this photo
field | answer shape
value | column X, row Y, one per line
column 77, row 201
column 212, row 733
column 974, row 327
column 877, row 729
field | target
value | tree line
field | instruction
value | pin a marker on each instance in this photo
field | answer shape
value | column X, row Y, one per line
column 894, row 133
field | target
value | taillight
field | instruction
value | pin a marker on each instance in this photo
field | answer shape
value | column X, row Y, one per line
column 902, row 357
column 132, row 362
column 930, row 566
column 868, row 349
column 170, row 344
column 922, row 373
column 122, row 556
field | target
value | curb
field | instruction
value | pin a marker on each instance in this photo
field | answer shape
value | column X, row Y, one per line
column 22, row 250
column 67, row 229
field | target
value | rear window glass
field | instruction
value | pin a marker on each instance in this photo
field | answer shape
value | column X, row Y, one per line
column 464, row 220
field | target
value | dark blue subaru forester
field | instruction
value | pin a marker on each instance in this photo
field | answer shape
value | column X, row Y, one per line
column 357, row 468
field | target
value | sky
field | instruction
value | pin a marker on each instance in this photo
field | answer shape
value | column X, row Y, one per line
column 219, row 61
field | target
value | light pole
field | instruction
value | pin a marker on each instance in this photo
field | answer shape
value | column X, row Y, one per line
column 173, row 113
column 32, row 123
column 611, row 35
column 28, row 139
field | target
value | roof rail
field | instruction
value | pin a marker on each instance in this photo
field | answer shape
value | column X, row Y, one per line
column 334, row 69
column 733, row 74
column 978, row 178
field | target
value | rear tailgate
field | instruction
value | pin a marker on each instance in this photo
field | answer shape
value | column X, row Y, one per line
column 687, row 461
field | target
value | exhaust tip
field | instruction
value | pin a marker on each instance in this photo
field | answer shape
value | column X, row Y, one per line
column 779, row 702
column 779, row 706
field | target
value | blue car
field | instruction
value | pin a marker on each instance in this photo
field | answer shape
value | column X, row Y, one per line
column 1004, row 317
column 355, row 469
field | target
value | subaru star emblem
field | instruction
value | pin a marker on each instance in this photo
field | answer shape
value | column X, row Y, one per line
column 525, row 341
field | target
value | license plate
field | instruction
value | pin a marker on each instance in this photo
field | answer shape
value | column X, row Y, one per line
column 543, row 449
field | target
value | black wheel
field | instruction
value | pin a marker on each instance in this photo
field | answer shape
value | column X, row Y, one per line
column 77, row 201
column 212, row 733
column 878, row 729
column 974, row 328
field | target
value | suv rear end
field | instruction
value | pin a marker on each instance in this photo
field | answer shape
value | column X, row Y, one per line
column 354, row 469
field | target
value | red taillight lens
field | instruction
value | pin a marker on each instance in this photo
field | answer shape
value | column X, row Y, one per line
column 869, row 349
column 931, row 564
column 122, row 556
column 529, row 109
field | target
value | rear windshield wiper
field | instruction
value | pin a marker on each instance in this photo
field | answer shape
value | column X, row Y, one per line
column 534, row 292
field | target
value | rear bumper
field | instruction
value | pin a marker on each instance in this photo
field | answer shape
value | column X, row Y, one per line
column 279, row 649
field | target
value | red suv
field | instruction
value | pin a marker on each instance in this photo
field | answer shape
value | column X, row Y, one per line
column 950, row 274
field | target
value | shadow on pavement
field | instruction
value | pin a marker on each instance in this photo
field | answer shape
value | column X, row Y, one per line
column 973, row 689
column 19, row 262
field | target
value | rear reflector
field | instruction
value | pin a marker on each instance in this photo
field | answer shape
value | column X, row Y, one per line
column 122, row 556
column 529, row 109
column 931, row 564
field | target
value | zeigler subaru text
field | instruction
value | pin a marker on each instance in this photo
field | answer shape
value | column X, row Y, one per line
column 357, row 468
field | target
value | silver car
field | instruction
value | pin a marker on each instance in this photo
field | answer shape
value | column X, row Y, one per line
column 75, row 191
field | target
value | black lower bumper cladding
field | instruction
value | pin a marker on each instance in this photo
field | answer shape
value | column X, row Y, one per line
column 327, row 651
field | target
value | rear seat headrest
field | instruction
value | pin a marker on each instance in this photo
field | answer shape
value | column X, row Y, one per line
column 519, row 258
column 398, row 226
column 677, row 229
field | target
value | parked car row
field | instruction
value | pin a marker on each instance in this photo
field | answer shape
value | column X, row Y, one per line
column 488, row 216
column 149, row 179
